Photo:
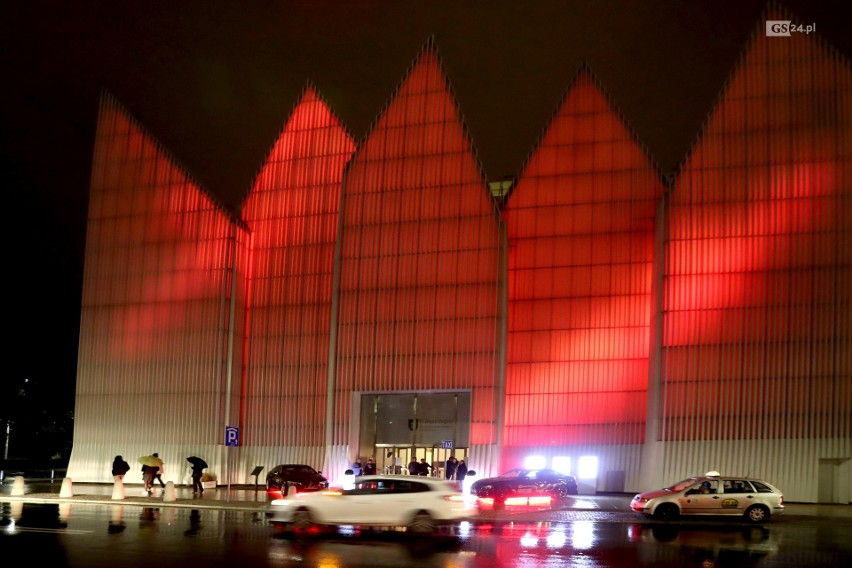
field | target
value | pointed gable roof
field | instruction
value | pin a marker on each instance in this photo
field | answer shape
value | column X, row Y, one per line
column 424, row 83
column 820, row 64
column 572, row 123
column 311, row 130
column 114, row 116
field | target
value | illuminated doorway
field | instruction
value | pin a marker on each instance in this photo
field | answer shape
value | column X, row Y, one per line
column 394, row 428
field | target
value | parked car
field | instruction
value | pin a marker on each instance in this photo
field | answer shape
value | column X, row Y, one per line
column 299, row 476
column 712, row 494
column 415, row 504
column 525, row 483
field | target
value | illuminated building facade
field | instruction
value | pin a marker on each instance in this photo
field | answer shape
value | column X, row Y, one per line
column 375, row 298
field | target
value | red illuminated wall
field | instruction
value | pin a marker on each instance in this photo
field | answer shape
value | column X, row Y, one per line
column 388, row 270
column 420, row 248
column 292, row 211
column 157, row 286
column 758, row 335
column 580, row 226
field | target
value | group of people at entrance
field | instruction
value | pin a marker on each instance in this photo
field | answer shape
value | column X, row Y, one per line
column 369, row 469
column 453, row 468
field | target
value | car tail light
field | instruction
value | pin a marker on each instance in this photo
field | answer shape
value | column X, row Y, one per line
column 454, row 498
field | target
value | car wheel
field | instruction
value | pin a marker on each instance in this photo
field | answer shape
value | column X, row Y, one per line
column 422, row 523
column 500, row 496
column 302, row 520
column 562, row 492
column 757, row 514
column 667, row 512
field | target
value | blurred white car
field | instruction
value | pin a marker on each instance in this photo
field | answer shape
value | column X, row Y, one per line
column 413, row 503
column 712, row 494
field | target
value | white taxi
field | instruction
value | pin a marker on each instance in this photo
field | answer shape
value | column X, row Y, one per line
column 712, row 494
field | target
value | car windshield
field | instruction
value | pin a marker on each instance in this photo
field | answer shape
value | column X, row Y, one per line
column 512, row 473
column 298, row 469
column 681, row 485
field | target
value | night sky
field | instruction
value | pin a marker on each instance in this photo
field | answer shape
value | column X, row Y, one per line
column 214, row 81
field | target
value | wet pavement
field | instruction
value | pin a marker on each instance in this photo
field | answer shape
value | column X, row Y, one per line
column 255, row 498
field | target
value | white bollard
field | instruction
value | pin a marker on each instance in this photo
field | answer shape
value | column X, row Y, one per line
column 118, row 489
column 291, row 491
column 169, row 492
column 18, row 486
column 66, row 490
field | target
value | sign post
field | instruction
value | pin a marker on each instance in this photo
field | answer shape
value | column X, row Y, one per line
column 232, row 440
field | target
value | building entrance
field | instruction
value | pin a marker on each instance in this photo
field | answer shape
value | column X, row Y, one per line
column 396, row 428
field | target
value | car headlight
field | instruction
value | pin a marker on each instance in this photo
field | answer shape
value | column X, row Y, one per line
column 640, row 499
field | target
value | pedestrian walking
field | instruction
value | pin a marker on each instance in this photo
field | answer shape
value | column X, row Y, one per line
column 198, row 466
column 150, row 467
column 119, row 468
column 158, row 474
column 148, row 478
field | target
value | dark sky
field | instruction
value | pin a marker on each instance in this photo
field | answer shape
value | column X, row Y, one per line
column 214, row 82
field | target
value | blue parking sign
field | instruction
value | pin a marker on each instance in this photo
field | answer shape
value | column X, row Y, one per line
column 232, row 436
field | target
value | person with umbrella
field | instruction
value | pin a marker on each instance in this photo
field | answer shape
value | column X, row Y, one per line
column 158, row 475
column 198, row 466
column 150, row 466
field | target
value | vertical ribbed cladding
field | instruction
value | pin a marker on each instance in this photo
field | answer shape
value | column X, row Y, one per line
column 153, row 343
column 757, row 287
column 580, row 223
column 418, row 273
column 292, row 210
column 757, row 346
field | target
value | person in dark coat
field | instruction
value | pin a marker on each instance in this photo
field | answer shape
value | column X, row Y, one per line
column 197, row 472
column 158, row 474
column 450, row 467
column 370, row 468
column 148, row 478
column 461, row 471
column 119, row 468
column 413, row 468
column 423, row 468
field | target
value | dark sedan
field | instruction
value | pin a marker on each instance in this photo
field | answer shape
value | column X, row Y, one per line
column 525, row 483
column 301, row 477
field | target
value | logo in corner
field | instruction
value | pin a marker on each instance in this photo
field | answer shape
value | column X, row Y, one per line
column 778, row 28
